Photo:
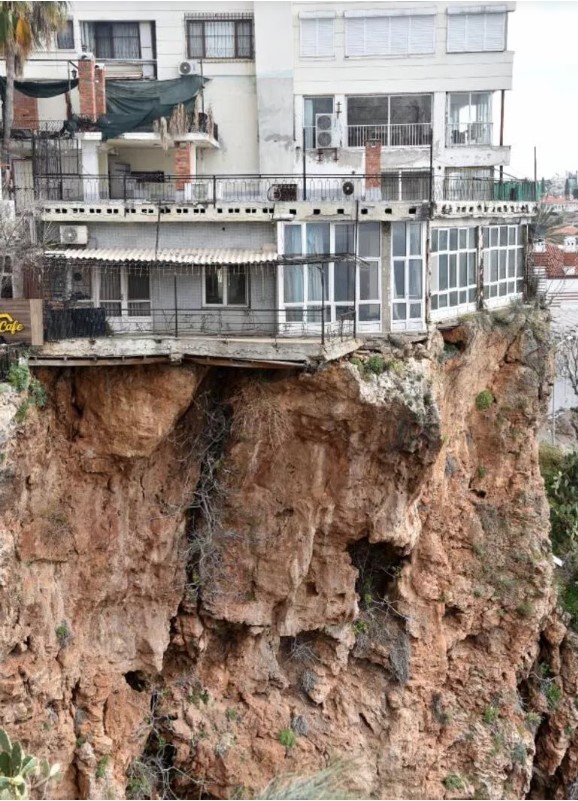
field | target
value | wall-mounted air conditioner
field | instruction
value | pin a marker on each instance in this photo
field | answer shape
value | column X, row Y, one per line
column 73, row 234
column 326, row 131
column 189, row 68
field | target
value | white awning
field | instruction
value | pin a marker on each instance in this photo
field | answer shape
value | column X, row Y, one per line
column 200, row 257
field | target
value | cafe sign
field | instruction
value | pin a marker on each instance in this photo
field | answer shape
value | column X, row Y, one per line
column 21, row 321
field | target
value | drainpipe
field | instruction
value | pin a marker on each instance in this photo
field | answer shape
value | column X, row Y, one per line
column 502, row 111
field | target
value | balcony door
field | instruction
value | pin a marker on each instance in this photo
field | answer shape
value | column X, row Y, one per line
column 407, row 304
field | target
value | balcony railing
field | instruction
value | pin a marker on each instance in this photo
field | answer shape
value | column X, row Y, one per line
column 68, row 321
column 416, row 134
column 469, row 133
column 393, row 186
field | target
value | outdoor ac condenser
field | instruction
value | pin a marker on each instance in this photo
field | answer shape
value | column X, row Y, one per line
column 189, row 68
column 326, row 131
column 73, row 234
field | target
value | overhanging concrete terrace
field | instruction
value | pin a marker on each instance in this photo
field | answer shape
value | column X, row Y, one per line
column 235, row 352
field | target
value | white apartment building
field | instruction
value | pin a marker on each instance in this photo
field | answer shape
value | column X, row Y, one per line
column 271, row 169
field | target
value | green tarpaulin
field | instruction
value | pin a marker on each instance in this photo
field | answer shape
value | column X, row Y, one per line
column 134, row 105
column 40, row 88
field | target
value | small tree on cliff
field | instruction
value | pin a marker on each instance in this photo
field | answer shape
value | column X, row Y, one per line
column 24, row 26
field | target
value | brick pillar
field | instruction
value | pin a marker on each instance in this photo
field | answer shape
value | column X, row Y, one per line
column 100, row 91
column 87, row 88
column 25, row 111
column 373, row 165
column 184, row 168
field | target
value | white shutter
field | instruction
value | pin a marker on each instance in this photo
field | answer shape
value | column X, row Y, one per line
column 399, row 33
column 476, row 27
column 457, row 33
column 495, row 34
column 422, row 34
column 325, row 46
column 308, row 38
column 377, row 33
column 355, row 36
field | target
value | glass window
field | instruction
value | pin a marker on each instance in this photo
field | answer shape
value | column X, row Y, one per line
column 293, row 240
column 369, row 240
column 453, row 279
column 344, row 280
column 393, row 120
column 293, row 286
column 220, row 38
column 225, row 286
column 65, row 37
column 120, row 40
column 398, row 232
column 503, row 260
column 312, row 106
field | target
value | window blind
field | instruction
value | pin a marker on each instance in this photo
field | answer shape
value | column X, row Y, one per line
column 317, row 37
column 470, row 33
column 397, row 35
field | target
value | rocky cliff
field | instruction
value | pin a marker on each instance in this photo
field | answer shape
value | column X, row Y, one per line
column 209, row 577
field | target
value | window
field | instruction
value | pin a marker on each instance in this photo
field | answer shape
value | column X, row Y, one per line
column 469, row 118
column 316, row 36
column 124, row 292
column 220, row 38
column 503, row 261
column 393, row 120
column 65, row 37
column 468, row 183
column 114, row 40
column 407, row 290
column 225, row 286
column 454, row 269
column 312, row 106
column 472, row 33
column 342, row 282
column 388, row 34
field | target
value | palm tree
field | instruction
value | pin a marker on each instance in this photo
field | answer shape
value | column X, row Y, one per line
column 24, row 26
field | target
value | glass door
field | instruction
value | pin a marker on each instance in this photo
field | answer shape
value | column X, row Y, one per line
column 407, row 247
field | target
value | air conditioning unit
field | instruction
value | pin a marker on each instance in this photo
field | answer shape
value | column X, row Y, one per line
column 326, row 131
column 189, row 68
column 73, row 234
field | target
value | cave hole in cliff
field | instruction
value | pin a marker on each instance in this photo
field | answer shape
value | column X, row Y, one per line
column 137, row 680
column 378, row 566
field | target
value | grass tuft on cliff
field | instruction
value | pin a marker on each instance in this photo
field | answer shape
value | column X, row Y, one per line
column 325, row 784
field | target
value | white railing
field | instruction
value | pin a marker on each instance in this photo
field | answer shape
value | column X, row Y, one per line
column 469, row 133
column 414, row 134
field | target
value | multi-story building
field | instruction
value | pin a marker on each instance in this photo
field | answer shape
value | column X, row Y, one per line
column 269, row 172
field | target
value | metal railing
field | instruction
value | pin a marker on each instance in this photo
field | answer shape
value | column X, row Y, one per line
column 469, row 133
column 416, row 134
column 392, row 186
column 66, row 321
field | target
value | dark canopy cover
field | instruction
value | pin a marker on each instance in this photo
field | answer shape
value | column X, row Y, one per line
column 133, row 105
column 40, row 88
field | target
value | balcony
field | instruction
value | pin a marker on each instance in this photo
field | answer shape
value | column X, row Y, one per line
column 469, row 133
column 416, row 134
column 212, row 190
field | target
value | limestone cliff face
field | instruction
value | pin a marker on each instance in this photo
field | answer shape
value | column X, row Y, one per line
column 210, row 577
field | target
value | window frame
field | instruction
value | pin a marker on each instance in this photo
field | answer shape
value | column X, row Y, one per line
column 330, row 304
column 485, row 14
column 408, row 323
column 225, row 304
column 470, row 288
column 368, row 16
column 497, row 298
column 68, row 30
column 124, row 300
column 390, row 126
column 236, row 21
column 110, row 25
column 317, row 20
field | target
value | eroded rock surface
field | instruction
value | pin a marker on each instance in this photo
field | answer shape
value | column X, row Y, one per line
column 201, row 566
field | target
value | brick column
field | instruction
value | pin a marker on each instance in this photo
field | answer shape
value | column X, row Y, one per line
column 99, row 91
column 373, row 165
column 87, row 88
column 25, row 111
column 184, row 167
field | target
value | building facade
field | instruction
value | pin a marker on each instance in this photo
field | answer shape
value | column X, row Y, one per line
column 279, row 169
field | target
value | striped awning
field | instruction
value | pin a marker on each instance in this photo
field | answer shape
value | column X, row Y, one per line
column 200, row 257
